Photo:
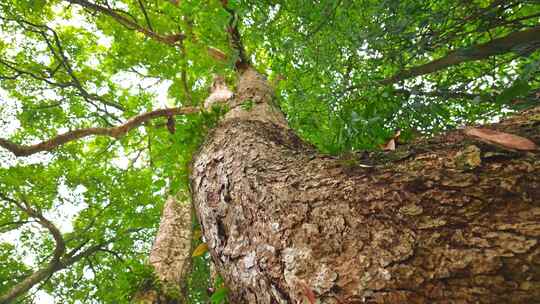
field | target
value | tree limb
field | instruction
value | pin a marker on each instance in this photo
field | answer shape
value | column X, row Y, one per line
column 116, row 132
column 55, row 47
column 40, row 219
column 53, row 265
column 60, row 259
column 18, row 72
column 236, row 39
column 15, row 223
column 60, row 85
column 73, row 257
column 132, row 25
column 75, row 80
column 529, row 39
column 172, row 39
column 184, row 77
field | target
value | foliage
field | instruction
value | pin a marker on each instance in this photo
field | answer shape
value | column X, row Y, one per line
column 199, row 279
column 10, row 267
column 220, row 294
column 333, row 54
column 65, row 67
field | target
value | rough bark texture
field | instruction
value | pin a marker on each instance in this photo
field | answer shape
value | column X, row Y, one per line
column 450, row 220
column 170, row 255
column 171, row 252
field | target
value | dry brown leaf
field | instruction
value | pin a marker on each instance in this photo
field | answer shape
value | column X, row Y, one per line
column 200, row 250
column 391, row 144
column 503, row 139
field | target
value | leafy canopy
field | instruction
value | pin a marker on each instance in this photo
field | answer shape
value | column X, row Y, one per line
column 66, row 65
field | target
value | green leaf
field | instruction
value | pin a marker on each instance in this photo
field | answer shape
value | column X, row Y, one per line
column 219, row 296
column 519, row 88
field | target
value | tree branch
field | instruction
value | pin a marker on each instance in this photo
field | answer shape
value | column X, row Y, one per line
column 75, row 80
column 236, row 39
column 132, row 25
column 116, row 132
column 15, row 223
column 513, row 42
column 184, row 77
column 60, row 259
column 329, row 13
column 40, row 219
column 53, row 265
column 55, row 47
column 143, row 9
column 61, row 85
column 18, row 72
column 74, row 257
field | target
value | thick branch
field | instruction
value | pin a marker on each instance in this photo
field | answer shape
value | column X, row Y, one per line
column 116, row 132
column 166, row 39
column 236, row 39
column 28, row 283
column 53, row 265
column 40, row 219
column 529, row 39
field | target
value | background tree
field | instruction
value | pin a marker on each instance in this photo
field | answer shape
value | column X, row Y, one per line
column 84, row 209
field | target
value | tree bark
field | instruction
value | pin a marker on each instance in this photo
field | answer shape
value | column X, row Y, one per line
column 285, row 224
column 170, row 256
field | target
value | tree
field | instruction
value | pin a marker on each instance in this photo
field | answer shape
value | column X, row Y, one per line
column 452, row 218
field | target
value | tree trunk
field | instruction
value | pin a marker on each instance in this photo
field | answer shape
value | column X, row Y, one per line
column 170, row 256
column 451, row 220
